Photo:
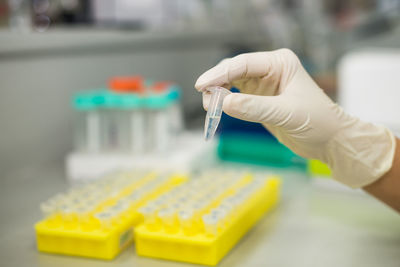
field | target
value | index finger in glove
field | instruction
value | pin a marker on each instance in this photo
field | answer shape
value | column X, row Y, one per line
column 250, row 65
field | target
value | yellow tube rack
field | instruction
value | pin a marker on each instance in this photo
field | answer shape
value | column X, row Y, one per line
column 89, row 235
column 199, row 243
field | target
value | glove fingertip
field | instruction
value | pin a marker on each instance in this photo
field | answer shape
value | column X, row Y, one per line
column 216, row 76
column 206, row 79
column 200, row 84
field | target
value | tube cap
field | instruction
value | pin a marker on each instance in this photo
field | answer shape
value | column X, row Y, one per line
column 88, row 100
column 131, row 84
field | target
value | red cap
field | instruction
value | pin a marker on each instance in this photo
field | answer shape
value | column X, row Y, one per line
column 160, row 87
column 126, row 84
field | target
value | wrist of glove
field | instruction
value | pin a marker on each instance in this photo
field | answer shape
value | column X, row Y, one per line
column 360, row 153
column 277, row 92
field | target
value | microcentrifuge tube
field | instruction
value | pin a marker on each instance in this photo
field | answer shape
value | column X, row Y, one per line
column 105, row 219
column 47, row 208
column 120, row 208
column 176, row 206
column 149, row 214
column 83, row 217
column 186, row 221
column 68, row 216
column 210, row 224
column 168, row 218
column 214, row 110
column 134, row 197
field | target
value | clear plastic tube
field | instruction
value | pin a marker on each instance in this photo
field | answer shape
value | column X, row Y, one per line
column 214, row 111
column 186, row 220
column 161, row 134
column 93, row 131
column 137, row 131
column 177, row 206
column 168, row 219
column 120, row 208
column 150, row 218
column 83, row 217
column 47, row 208
column 68, row 216
column 176, row 118
column 134, row 197
column 104, row 219
column 210, row 224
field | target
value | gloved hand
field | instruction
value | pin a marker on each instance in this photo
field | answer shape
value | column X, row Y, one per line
column 277, row 92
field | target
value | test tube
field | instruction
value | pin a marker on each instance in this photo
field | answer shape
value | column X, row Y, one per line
column 186, row 220
column 222, row 213
column 87, row 136
column 58, row 199
column 161, row 134
column 197, row 206
column 83, row 217
column 134, row 197
column 214, row 111
column 91, row 204
column 113, row 131
column 159, row 202
column 175, row 110
column 74, row 201
column 150, row 218
column 233, row 201
column 176, row 206
column 47, row 208
column 210, row 222
column 137, row 131
column 105, row 219
column 168, row 219
column 131, row 124
column 120, row 208
column 93, row 131
column 68, row 216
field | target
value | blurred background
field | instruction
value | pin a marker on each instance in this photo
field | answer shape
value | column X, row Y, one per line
column 51, row 49
column 90, row 86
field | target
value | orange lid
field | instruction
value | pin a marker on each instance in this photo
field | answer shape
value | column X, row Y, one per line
column 126, row 84
column 160, row 86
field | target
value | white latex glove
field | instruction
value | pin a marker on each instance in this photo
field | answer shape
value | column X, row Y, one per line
column 277, row 92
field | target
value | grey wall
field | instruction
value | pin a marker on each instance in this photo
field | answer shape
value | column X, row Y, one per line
column 36, row 86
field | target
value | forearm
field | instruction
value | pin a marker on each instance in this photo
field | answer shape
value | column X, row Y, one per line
column 387, row 188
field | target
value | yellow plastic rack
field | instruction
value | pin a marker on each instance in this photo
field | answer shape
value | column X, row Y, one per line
column 202, row 243
column 73, row 230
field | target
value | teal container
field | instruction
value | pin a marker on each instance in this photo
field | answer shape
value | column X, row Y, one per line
column 88, row 100
column 254, row 149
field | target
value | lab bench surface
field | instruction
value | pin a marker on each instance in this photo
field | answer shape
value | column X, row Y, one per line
column 310, row 227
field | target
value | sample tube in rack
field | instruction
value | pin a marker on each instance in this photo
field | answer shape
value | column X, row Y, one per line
column 150, row 216
column 168, row 218
column 210, row 222
column 104, row 219
column 114, row 127
column 158, row 122
column 186, row 220
column 87, row 135
column 132, row 124
column 175, row 110
column 214, row 110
